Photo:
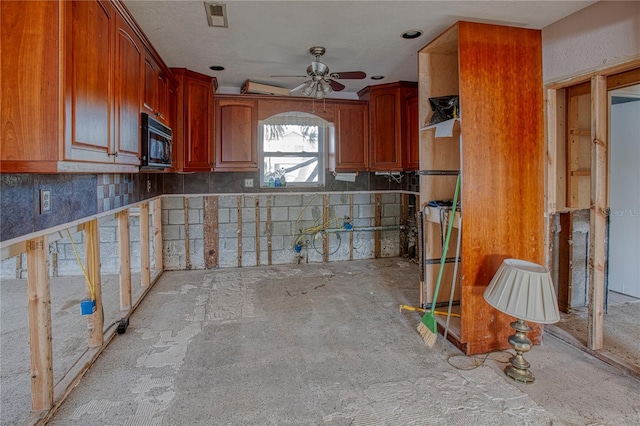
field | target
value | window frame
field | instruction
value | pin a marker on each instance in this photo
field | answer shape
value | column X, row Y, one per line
column 324, row 134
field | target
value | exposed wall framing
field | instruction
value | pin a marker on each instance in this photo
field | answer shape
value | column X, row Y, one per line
column 45, row 396
column 597, row 82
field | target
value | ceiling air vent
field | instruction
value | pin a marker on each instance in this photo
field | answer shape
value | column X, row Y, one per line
column 216, row 14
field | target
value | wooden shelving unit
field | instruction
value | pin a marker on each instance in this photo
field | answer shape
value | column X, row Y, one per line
column 498, row 146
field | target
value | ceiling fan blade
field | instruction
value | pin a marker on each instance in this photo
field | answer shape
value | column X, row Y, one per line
column 298, row 87
column 336, row 86
column 353, row 75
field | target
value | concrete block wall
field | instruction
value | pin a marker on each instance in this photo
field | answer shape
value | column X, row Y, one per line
column 175, row 229
column 247, row 244
column 244, row 238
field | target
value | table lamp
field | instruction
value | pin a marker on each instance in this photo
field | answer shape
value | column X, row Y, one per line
column 522, row 290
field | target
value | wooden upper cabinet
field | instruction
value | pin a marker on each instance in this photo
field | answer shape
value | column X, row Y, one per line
column 128, row 66
column 387, row 124
column 89, row 72
column 30, row 126
column 236, row 145
column 92, row 53
column 156, row 90
column 194, row 129
column 351, row 150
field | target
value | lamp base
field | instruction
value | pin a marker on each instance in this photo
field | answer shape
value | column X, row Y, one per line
column 522, row 376
column 518, row 368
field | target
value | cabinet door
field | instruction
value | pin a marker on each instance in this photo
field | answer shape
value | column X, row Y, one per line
column 410, row 134
column 236, row 135
column 352, row 138
column 385, row 132
column 198, row 117
column 89, row 106
column 162, row 98
column 150, row 82
column 127, row 94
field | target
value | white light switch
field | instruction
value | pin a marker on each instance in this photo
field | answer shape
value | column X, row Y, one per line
column 248, row 183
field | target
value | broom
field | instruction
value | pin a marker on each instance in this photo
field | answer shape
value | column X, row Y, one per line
column 428, row 327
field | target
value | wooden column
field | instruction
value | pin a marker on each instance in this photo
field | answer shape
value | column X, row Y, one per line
column 187, row 245
column 551, row 166
column 157, row 235
column 377, row 235
column 325, row 236
column 239, row 213
column 210, row 232
column 352, row 221
column 125, row 260
column 95, row 322
column 145, row 269
column 598, row 216
column 269, row 256
column 39, row 305
column 257, row 231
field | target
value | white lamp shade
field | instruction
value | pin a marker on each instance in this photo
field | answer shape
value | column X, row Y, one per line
column 523, row 290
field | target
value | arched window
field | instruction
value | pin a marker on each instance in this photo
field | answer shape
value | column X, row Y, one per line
column 292, row 149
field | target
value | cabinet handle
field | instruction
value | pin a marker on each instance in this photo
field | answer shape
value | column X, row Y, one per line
column 115, row 154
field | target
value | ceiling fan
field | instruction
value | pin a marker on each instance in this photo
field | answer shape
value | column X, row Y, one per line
column 322, row 82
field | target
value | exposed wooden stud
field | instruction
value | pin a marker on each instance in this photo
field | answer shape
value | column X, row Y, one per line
column 378, row 222
column 325, row 236
column 187, row 240
column 351, row 233
column 257, row 231
column 404, row 216
column 95, row 322
column 551, row 165
column 565, row 261
column 239, row 212
column 39, row 305
column 125, row 260
column 211, row 232
column 268, row 229
column 157, row 235
column 145, row 269
column 598, row 216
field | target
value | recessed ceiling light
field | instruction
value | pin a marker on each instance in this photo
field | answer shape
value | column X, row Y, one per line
column 411, row 34
column 216, row 68
column 377, row 77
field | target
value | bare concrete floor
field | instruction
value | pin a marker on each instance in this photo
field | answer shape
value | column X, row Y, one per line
column 322, row 344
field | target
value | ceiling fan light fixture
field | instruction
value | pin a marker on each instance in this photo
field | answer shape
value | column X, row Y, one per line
column 308, row 88
column 377, row 77
column 325, row 86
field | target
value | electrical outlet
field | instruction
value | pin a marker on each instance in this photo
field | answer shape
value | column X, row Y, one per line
column 248, row 183
column 45, row 200
column 148, row 185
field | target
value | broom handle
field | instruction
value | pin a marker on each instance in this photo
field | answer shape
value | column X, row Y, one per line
column 446, row 245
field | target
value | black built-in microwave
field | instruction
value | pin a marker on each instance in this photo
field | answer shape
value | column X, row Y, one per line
column 156, row 143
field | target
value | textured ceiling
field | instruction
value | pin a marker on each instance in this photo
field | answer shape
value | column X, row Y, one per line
column 266, row 38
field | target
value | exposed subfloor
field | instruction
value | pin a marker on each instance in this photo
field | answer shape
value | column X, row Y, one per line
column 323, row 344
column 620, row 330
